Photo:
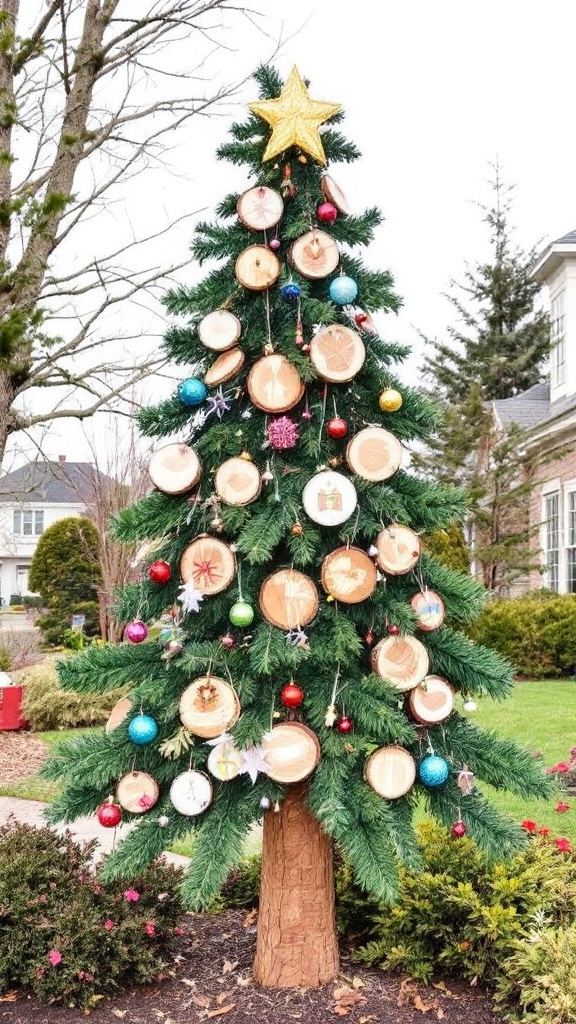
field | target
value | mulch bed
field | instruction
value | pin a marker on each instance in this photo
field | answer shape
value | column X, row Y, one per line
column 21, row 754
column 211, row 980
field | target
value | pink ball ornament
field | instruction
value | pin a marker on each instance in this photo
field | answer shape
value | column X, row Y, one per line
column 283, row 433
column 274, row 244
column 459, row 829
column 136, row 632
column 327, row 213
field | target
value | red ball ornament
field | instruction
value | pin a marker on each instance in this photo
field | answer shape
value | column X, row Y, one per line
column 394, row 630
column 228, row 641
column 109, row 814
column 159, row 572
column 459, row 829
column 291, row 695
column 327, row 213
column 344, row 724
column 361, row 318
column 337, row 428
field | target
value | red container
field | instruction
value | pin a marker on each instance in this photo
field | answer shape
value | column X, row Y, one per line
column 11, row 708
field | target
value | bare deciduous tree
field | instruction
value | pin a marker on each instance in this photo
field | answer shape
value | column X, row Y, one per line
column 91, row 95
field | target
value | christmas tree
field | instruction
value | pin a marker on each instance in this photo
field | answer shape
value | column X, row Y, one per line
column 304, row 676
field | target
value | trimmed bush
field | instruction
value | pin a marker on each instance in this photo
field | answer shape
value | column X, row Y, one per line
column 535, row 632
column 65, row 570
column 47, row 705
column 69, row 938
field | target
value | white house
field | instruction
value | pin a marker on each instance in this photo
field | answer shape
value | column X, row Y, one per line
column 32, row 498
column 548, row 412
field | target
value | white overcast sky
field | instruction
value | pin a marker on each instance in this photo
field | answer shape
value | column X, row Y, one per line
column 432, row 91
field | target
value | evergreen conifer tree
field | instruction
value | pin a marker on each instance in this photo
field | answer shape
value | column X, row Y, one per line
column 290, row 569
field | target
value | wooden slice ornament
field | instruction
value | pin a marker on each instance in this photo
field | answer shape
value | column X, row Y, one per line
column 257, row 268
column 315, row 255
column 237, row 481
column 432, row 701
column 209, row 564
column 374, row 454
column 292, row 752
column 274, row 384
column 400, row 660
column 137, row 792
column 349, row 575
column 191, row 793
column 391, row 772
column 288, row 599
column 329, row 498
column 119, row 712
column 337, row 353
column 174, row 468
column 429, row 610
column 225, row 367
column 334, row 194
column 219, row 330
column 260, row 208
column 398, row 549
column 225, row 761
column 209, row 706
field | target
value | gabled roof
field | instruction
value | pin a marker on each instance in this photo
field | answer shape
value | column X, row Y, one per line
column 552, row 257
column 65, row 482
column 533, row 407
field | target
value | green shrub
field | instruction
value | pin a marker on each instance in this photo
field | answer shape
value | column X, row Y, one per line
column 536, row 632
column 47, row 705
column 539, row 978
column 462, row 914
column 32, row 601
column 65, row 936
column 65, row 570
column 56, row 623
column 241, row 890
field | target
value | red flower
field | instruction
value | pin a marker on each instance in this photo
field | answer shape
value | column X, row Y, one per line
column 562, row 767
column 529, row 826
column 131, row 895
column 54, row 957
column 561, row 807
column 563, row 845
column 543, row 831
column 108, row 925
column 150, row 928
column 178, row 931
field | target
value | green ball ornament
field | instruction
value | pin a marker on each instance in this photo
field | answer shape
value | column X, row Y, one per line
column 241, row 614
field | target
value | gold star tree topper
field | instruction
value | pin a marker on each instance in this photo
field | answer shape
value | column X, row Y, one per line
column 294, row 119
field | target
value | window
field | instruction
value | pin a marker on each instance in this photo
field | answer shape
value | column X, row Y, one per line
column 552, row 540
column 571, row 544
column 28, row 522
column 557, row 341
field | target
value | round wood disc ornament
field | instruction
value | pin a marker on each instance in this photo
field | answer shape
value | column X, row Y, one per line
column 374, row 454
column 288, row 599
column 390, row 771
column 315, row 255
column 260, row 208
column 337, row 353
column 349, row 575
column 401, row 660
column 174, row 468
column 225, row 367
column 225, row 761
column 334, row 194
column 237, row 481
column 219, row 330
column 209, row 564
column 119, row 712
column 274, row 384
column 432, row 700
column 292, row 752
column 137, row 792
column 429, row 610
column 191, row 793
column 329, row 498
column 209, row 706
column 398, row 549
column 257, row 268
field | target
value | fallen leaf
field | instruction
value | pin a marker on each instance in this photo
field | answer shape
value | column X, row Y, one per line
column 419, row 1004
column 357, row 983
column 203, row 1001
column 364, row 1020
column 9, row 997
column 442, row 986
column 221, row 1011
column 229, row 965
column 340, row 1010
column 440, row 1013
column 189, row 982
column 223, row 997
column 242, row 981
column 119, row 1013
column 344, row 999
column 250, row 918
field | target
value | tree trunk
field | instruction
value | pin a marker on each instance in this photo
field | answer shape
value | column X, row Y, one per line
column 297, row 945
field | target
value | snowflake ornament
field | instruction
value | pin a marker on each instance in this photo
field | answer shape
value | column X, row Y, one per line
column 190, row 597
column 217, row 404
column 253, row 762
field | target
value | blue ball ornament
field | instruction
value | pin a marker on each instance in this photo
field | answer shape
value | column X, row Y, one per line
column 343, row 290
column 433, row 770
column 143, row 729
column 192, row 391
column 290, row 291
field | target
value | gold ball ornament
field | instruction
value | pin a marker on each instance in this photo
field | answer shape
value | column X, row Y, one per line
column 294, row 119
column 246, row 456
column 297, row 529
column 390, row 400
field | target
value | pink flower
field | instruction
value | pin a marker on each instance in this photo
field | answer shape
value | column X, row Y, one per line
column 562, row 767
column 563, row 845
column 108, row 925
column 561, row 807
column 131, row 895
column 150, row 928
column 529, row 826
column 178, row 931
column 543, row 831
column 54, row 957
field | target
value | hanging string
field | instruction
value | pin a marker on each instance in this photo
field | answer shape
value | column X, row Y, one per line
column 268, row 318
column 323, row 416
column 239, row 574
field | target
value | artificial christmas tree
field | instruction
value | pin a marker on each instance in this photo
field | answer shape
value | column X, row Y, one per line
column 306, row 676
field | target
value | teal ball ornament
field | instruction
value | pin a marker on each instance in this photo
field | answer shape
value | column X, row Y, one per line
column 142, row 730
column 192, row 391
column 433, row 770
column 343, row 290
column 241, row 614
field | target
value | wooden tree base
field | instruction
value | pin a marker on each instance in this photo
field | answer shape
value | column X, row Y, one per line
column 297, row 945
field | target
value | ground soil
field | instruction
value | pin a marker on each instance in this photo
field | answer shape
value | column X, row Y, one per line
column 210, row 978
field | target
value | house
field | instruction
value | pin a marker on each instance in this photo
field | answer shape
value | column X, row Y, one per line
column 32, row 498
column 548, row 413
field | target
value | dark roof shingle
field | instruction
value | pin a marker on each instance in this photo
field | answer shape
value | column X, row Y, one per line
column 65, row 482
